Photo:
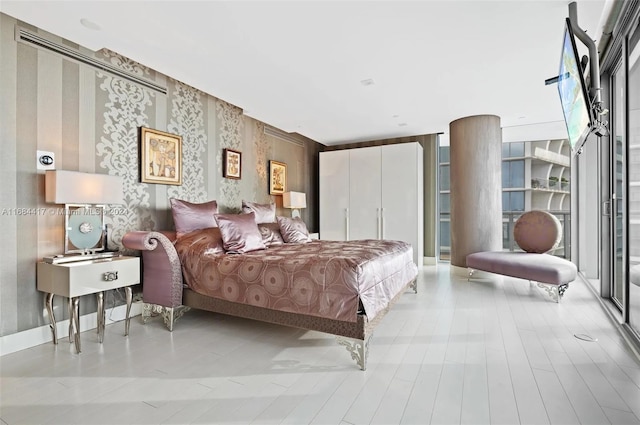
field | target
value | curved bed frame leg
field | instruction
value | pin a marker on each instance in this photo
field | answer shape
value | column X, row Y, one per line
column 414, row 285
column 358, row 348
column 169, row 314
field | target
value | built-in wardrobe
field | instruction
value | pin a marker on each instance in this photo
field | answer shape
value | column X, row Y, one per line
column 373, row 193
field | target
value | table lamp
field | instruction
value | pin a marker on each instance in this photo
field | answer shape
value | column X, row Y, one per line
column 84, row 196
column 295, row 201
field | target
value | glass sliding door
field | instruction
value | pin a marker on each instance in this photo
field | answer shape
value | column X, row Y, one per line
column 633, row 48
column 444, row 205
column 618, row 183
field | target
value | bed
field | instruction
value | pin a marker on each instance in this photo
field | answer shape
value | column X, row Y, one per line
column 340, row 288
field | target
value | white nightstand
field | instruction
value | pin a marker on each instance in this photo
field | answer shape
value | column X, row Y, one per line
column 78, row 278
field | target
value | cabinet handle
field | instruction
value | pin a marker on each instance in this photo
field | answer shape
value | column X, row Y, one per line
column 110, row 276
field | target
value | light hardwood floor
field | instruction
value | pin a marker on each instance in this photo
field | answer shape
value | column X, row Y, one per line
column 486, row 351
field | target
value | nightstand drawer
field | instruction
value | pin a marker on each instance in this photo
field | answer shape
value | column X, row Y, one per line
column 88, row 277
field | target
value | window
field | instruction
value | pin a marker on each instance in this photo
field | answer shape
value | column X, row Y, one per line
column 444, row 178
column 513, row 201
column 445, row 203
column 512, row 174
column 513, row 150
column 445, row 237
column 444, row 154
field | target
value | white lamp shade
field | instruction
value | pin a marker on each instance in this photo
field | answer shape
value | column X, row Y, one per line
column 294, row 200
column 74, row 187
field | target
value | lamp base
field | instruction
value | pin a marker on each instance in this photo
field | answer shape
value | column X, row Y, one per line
column 295, row 213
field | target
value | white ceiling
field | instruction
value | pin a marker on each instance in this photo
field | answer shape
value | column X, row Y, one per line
column 298, row 65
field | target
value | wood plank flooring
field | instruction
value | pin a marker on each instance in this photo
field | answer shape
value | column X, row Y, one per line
column 494, row 351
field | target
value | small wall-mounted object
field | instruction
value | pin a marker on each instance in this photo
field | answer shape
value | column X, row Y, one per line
column 45, row 160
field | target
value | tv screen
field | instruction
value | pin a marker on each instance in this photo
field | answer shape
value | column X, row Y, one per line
column 573, row 92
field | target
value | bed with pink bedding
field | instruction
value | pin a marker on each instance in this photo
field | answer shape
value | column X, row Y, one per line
column 341, row 288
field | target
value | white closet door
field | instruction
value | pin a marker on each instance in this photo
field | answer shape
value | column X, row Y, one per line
column 402, row 197
column 364, row 193
column 334, row 194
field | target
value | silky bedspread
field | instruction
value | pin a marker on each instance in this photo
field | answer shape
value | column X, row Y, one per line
column 321, row 278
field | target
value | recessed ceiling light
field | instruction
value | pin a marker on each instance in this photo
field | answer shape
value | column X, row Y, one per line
column 90, row 24
column 395, row 116
column 367, row 82
column 521, row 117
column 402, row 124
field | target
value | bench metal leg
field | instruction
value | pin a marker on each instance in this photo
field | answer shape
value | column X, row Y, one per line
column 555, row 291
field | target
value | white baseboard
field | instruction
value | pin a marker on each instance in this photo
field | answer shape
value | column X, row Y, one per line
column 429, row 261
column 36, row 336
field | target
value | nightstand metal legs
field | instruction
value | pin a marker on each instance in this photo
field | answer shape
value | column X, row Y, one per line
column 75, row 319
column 48, row 303
column 102, row 317
column 70, row 311
column 127, row 291
column 100, row 314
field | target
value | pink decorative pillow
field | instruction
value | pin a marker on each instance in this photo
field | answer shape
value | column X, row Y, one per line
column 293, row 230
column 270, row 234
column 537, row 231
column 265, row 213
column 188, row 216
column 240, row 232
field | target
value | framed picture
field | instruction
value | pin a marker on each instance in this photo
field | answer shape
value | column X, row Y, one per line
column 277, row 177
column 160, row 157
column 232, row 164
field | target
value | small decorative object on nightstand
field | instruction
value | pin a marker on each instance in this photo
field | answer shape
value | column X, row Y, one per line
column 73, row 279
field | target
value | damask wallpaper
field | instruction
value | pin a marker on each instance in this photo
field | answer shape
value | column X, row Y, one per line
column 89, row 119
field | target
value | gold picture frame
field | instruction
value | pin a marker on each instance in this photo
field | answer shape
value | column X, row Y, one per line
column 160, row 157
column 232, row 164
column 277, row 177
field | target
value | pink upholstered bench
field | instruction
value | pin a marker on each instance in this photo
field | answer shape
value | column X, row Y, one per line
column 536, row 232
column 551, row 273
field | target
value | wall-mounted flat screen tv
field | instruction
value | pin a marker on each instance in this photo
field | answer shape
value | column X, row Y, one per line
column 573, row 92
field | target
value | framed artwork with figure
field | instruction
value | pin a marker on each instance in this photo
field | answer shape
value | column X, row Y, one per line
column 277, row 177
column 160, row 157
